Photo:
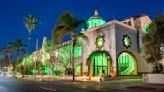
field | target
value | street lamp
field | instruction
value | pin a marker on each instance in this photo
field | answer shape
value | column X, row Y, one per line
column 73, row 63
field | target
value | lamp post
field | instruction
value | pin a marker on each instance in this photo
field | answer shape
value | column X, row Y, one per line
column 73, row 63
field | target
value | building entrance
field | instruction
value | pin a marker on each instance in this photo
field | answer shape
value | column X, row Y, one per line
column 100, row 63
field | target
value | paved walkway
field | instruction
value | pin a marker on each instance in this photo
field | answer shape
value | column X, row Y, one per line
column 118, row 84
column 147, row 88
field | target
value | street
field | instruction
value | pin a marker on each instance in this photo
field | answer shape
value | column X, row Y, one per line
column 19, row 85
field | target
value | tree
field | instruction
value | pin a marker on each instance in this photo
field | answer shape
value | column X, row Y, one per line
column 67, row 24
column 64, row 57
column 30, row 23
column 152, row 42
column 2, row 64
column 18, row 47
column 6, row 55
column 17, row 66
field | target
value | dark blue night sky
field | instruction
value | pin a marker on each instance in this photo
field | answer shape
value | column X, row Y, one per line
column 12, row 13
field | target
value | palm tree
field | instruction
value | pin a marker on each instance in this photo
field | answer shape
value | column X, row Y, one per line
column 67, row 24
column 30, row 23
column 18, row 47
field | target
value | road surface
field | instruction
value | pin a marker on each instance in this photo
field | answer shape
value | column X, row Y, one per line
column 19, row 85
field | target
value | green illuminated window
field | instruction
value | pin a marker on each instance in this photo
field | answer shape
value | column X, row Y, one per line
column 77, row 50
column 99, row 41
column 126, row 64
column 126, row 41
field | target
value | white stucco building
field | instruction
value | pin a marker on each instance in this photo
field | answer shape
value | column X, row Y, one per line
column 112, row 47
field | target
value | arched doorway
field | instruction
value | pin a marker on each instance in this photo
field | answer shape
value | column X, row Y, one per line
column 99, row 62
column 127, row 64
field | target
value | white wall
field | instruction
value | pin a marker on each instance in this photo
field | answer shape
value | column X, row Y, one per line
column 89, row 45
column 113, row 32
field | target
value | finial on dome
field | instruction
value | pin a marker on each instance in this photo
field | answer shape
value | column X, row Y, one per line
column 96, row 13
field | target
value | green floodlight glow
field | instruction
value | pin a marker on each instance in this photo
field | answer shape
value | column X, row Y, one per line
column 147, row 27
column 45, row 69
column 94, row 22
column 27, row 59
column 56, row 67
column 100, row 41
column 64, row 54
column 31, row 71
column 77, row 51
column 126, row 64
column 77, row 70
column 45, row 55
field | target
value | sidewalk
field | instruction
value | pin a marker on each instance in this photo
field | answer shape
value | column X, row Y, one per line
column 119, row 84
column 147, row 88
column 77, row 78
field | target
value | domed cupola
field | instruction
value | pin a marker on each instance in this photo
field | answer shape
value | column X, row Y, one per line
column 95, row 20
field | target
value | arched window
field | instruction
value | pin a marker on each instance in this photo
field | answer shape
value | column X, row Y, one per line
column 127, row 64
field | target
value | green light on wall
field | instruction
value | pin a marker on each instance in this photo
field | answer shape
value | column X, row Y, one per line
column 27, row 59
column 147, row 27
column 56, row 67
column 64, row 54
column 31, row 71
column 77, row 70
column 45, row 69
column 77, row 51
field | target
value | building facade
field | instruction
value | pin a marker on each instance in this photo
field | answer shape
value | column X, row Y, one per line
column 111, row 48
column 114, row 46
